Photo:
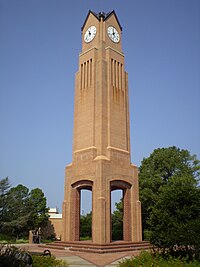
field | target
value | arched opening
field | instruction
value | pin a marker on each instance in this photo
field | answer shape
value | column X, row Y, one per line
column 81, row 194
column 121, row 223
column 117, row 214
column 85, row 214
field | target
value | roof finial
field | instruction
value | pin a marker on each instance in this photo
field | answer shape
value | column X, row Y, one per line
column 102, row 14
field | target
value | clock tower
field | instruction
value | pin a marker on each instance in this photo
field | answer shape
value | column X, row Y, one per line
column 101, row 142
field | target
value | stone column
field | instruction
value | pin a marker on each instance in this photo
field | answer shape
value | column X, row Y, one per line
column 75, row 216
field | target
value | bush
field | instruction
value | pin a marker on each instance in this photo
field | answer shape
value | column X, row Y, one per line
column 14, row 257
column 21, row 241
column 11, row 256
column 4, row 239
column 147, row 259
column 40, row 261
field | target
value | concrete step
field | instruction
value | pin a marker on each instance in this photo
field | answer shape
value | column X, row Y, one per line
column 84, row 246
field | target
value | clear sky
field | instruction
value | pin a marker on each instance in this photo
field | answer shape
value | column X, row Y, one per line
column 40, row 41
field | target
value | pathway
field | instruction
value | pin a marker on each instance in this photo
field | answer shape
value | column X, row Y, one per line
column 83, row 259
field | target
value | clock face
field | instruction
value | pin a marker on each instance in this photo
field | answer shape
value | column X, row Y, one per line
column 90, row 34
column 113, row 34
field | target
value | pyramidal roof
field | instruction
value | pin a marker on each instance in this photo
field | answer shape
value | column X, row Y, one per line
column 100, row 15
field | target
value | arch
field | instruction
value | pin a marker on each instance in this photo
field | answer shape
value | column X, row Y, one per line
column 126, row 188
column 75, row 197
column 83, row 184
column 119, row 184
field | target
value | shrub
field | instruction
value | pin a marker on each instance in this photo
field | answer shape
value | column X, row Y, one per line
column 11, row 256
column 4, row 239
column 14, row 257
column 21, row 241
column 40, row 261
column 146, row 259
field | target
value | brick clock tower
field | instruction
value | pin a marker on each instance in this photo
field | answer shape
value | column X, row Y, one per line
column 101, row 144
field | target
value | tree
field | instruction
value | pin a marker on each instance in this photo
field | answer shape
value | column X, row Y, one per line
column 158, row 169
column 4, row 187
column 170, row 199
column 37, row 207
column 85, row 225
column 117, row 221
column 15, row 215
column 21, row 210
column 175, row 218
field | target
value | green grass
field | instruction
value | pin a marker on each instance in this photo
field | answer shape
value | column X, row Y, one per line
column 5, row 239
column 47, row 240
column 21, row 241
column 85, row 238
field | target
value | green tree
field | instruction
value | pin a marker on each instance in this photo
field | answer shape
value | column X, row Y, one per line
column 156, row 170
column 117, row 221
column 38, row 209
column 175, row 218
column 4, row 187
column 15, row 215
column 86, row 225
column 21, row 210
column 170, row 199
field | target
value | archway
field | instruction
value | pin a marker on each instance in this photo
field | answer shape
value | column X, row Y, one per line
column 117, row 214
column 85, row 214
column 125, row 187
column 77, row 188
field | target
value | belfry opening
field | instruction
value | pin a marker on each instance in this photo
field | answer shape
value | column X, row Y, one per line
column 101, row 161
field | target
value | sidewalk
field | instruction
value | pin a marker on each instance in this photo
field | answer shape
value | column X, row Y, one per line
column 75, row 261
column 83, row 259
column 88, row 259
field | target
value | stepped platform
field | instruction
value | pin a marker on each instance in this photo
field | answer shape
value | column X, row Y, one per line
column 90, row 247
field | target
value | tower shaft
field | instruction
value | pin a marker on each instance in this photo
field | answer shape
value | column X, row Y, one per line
column 101, row 145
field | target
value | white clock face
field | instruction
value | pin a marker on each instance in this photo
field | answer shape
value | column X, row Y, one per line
column 113, row 34
column 90, row 34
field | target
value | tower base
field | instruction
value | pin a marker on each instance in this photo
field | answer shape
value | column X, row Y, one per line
column 89, row 247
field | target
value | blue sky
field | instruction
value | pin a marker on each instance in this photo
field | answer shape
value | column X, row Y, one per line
column 40, row 41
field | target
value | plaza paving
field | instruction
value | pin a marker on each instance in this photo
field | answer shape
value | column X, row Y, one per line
column 83, row 259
